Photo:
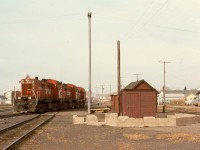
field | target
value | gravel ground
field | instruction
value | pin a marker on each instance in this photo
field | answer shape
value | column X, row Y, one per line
column 62, row 134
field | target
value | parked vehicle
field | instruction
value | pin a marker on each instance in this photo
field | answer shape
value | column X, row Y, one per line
column 47, row 94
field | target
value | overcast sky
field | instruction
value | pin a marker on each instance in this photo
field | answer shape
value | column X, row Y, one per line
column 49, row 39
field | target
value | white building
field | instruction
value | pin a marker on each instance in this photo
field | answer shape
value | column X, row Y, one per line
column 2, row 99
column 8, row 95
column 170, row 96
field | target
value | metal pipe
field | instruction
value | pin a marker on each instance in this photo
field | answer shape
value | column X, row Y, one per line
column 89, row 84
column 118, row 77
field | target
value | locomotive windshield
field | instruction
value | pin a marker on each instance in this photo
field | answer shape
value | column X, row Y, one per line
column 27, row 89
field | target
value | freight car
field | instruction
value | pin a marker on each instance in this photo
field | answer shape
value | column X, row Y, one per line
column 48, row 94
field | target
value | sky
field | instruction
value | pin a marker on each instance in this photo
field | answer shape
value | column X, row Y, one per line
column 49, row 39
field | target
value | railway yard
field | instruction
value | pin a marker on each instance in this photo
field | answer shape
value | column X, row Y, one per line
column 55, row 130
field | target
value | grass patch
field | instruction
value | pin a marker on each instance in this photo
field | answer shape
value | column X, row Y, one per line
column 179, row 137
column 136, row 136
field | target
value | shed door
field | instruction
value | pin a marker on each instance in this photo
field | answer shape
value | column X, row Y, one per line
column 139, row 104
column 132, row 104
column 148, row 104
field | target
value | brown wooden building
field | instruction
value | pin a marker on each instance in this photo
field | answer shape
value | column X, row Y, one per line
column 138, row 99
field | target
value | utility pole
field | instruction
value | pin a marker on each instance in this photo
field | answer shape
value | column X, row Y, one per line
column 89, row 84
column 137, row 74
column 14, row 97
column 102, row 88
column 118, row 77
column 110, row 88
column 164, row 62
column 97, row 88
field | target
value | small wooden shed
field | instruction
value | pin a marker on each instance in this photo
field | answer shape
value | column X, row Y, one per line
column 114, row 102
column 138, row 99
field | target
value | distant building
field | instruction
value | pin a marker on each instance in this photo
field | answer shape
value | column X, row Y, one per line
column 198, row 89
column 87, row 94
column 2, row 99
column 102, row 97
column 174, row 95
column 8, row 95
column 190, row 97
column 198, row 92
column 169, row 97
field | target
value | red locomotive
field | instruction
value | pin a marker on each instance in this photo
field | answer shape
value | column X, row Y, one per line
column 81, row 96
column 48, row 94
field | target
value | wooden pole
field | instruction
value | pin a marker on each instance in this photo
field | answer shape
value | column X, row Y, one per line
column 164, row 62
column 118, row 77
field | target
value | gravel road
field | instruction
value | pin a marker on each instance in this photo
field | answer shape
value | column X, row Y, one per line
column 62, row 134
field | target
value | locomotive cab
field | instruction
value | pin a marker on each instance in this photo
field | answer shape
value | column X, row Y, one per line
column 26, row 102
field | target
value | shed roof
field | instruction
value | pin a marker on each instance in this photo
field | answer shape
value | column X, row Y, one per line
column 198, row 92
column 174, row 95
column 135, row 85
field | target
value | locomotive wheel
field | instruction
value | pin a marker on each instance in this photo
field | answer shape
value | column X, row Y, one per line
column 81, row 104
column 45, row 108
column 73, row 105
column 55, row 107
column 61, row 107
column 65, row 107
column 41, row 108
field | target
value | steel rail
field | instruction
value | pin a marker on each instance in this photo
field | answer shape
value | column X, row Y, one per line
column 17, row 124
column 28, row 133
column 7, row 109
column 11, row 115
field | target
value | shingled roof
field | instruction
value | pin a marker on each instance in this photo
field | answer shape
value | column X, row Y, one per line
column 134, row 85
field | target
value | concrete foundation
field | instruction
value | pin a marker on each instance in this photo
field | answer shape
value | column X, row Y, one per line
column 131, row 122
column 150, row 122
column 78, row 120
column 91, row 119
column 112, row 119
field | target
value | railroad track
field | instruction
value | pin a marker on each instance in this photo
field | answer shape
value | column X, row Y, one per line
column 11, row 115
column 11, row 136
column 6, row 109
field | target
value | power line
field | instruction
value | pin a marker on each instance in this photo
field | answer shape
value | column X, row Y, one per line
column 137, row 22
column 173, row 28
column 39, row 19
column 178, row 77
column 152, row 25
column 158, row 10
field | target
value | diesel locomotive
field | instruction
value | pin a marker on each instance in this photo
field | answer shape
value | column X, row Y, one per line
column 47, row 95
